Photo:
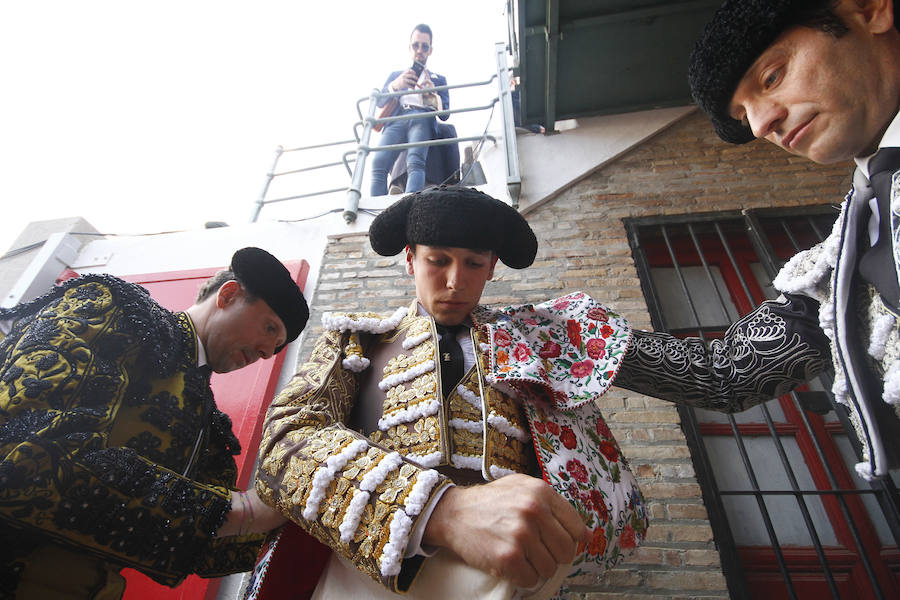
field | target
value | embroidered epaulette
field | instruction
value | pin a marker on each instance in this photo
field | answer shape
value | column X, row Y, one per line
column 355, row 323
column 366, row 322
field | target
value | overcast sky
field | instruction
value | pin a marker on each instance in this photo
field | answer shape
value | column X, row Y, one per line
column 154, row 116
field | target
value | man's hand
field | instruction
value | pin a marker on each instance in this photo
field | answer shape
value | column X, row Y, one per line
column 404, row 81
column 516, row 528
column 249, row 514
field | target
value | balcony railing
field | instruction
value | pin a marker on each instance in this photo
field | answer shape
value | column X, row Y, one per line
column 362, row 131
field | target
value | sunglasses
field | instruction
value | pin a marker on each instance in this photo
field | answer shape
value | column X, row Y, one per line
column 423, row 46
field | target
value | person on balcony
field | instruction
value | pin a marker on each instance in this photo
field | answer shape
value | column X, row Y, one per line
column 411, row 130
column 112, row 451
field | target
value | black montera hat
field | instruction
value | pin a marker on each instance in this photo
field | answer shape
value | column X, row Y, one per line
column 455, row 217
column 264, row 276
column 738, row 33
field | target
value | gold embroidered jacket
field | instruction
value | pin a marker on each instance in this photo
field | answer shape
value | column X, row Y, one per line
column 349, row 450
column 112, row 451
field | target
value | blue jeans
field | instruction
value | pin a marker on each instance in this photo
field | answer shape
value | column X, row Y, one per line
column 401, row 132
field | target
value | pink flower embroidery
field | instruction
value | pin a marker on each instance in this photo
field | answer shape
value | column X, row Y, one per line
column 573, row 330
column 521, row 353
column 582, row 369
column 603, row 429
column 596, row 347
column 586, row 501
column 627, row 539
column 577, row 470
column 567, row 437
column 608, row 449
column 502, row 338
column 560, row 304
column 598, row 542
column 550, row 350
column 598, row 314
column 600, row 505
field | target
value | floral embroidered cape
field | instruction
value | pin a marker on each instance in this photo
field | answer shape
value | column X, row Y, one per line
column 559, row 357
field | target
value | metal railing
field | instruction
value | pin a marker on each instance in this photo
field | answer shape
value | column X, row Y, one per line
column 272, row 174
column 355, row 166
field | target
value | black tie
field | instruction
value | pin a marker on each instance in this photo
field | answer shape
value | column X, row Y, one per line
column 876, row 264
column 451, row 357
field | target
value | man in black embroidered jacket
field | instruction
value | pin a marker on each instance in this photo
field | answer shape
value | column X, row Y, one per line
column 820, row 79
column 112, row 450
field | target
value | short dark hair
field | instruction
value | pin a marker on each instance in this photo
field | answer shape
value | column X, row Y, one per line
column 424, row 29
column 821, row 17
column 212, row 285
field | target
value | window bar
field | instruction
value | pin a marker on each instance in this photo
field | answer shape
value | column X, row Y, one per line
column 761, row 244
column 889, row 501
column 724, row 539
column 876, row 492
column 763, row 509
column 738, row 438
column 767, row 521
column 842, row 502
column 815, row 228
column 790, row 235
column 733, row 261
column 800, row 492
column 709, row 275
column 785, row 463
column 651, row 294
column 681, row 280
column 801, row 502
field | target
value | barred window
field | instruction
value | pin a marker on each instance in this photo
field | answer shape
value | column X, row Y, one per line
column 790, row 516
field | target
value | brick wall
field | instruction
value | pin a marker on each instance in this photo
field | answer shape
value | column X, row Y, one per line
column 583, row 246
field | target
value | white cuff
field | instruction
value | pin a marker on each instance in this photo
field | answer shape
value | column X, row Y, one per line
column 414, row 547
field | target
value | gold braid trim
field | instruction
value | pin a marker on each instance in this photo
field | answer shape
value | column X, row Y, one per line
column 332, row 481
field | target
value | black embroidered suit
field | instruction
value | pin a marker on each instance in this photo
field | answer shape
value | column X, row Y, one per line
column 112, row 451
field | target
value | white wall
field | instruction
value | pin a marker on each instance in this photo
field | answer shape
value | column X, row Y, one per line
column 551, row 163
